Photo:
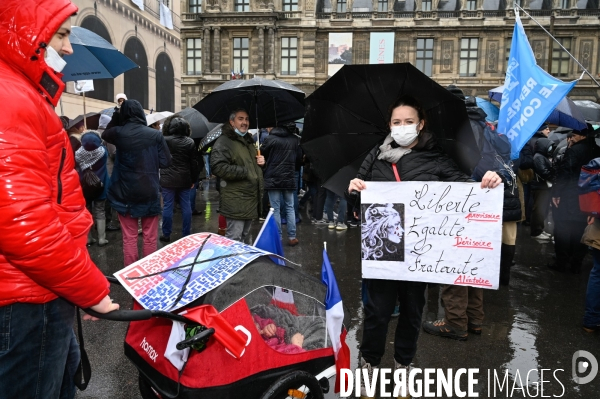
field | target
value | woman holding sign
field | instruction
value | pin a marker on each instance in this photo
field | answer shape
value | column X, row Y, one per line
column 408, row 153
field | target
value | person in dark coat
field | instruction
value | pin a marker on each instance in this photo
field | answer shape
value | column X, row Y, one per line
column 541, row 199
column 93, row 155
column 417, row 157
column 178, row 180
column 134, row 185
column 570, row 222
column 281, row 149
column 235, row 161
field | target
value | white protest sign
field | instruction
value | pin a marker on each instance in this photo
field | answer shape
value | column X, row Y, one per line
column 83, row 86
column 436, row 232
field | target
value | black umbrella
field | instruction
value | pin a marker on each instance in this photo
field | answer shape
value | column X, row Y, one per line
column 348, row 115
column 92, row 120
column 211, row 137
column 589, row 109
column 200, row 125
column 267, row 101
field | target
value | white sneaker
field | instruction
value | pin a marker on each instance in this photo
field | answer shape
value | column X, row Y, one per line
column 331, row 225
column 363, row 389
column 341, row 226
column 400, row 366
column 544, row 236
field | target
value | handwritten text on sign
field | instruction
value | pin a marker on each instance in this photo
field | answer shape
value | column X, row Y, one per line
column 446, row 233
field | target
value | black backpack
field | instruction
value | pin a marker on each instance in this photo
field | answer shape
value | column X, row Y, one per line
column 91, row 185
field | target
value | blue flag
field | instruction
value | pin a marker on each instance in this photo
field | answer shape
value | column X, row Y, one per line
column 530, row 93
column 268, row 238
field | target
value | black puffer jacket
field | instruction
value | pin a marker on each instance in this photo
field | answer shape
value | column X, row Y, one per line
column 281, row 149
column 141, row 152
column 185, row 168
column 541, row 164
column 426, row 162
column 233, row 160
column 567, row 177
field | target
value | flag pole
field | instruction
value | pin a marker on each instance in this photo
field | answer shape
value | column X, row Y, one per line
column 517, row 7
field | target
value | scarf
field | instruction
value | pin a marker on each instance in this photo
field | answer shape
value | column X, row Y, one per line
column 86, row 159
column 389, row 153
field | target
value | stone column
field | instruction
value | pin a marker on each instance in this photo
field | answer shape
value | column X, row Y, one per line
column 271, row 57
column 217, row 51
column 206, row 51
column 261, row 49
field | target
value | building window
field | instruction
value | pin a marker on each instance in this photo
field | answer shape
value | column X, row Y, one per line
column 425, row 56
column 468, row 56
column 471, row 5
column 342, row 5
column 195, row 6
column 382, row 5
column 194, row 56
column 290, row 5
column 289, row 55
column 519, row 3
column 241, row 5
column 240, row 54
column 426, row 5
column 564, row 4
column 560, row 58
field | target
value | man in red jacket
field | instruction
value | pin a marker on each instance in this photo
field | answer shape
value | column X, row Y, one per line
column 45, row 269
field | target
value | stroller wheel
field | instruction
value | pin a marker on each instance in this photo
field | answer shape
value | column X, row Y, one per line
column 288, row 387
column 146, row 389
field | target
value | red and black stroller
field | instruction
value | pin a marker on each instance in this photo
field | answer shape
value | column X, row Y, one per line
column 278, row 311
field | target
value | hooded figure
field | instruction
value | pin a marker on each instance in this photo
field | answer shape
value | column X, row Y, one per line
column 45, row 269
column 542, row 166
column 134, row 188
column 177, row 180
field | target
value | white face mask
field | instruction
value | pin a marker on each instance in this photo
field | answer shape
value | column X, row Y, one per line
column 405, row 135
column 54, row 60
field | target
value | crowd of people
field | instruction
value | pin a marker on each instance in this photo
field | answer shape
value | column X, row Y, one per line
column 133, row 173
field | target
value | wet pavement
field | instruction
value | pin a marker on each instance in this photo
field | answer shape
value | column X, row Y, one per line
column 533, row 324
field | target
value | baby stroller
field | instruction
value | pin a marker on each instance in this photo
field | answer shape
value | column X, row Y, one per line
column 295, row 361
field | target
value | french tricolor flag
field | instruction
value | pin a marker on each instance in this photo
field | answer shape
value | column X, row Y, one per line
column 334, row 314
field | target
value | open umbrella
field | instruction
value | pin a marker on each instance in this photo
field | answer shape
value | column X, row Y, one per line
column 211, row 137
column 92, row 119
column 93, row 58
column 565, row 114
column 490, row 109
column 348, row 115
column 200, row 125
column 157, row 117
column 267, row 101
column 589, row 109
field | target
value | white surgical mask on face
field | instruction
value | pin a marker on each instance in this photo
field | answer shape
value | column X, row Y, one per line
column 405, row 135
column 54, row 60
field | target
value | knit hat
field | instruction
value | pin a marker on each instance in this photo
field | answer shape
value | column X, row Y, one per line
column 90, row 140
column 456, row 91
column 119, row 96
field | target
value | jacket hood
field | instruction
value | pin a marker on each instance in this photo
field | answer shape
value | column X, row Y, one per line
column 28, row 26
column 280, row 131
column 132, row 112
column 544, row 146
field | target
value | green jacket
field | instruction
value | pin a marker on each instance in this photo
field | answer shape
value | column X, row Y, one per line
column 233, row 160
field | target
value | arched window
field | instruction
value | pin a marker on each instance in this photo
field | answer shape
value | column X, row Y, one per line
column 165, row 83
column 104, row 89
column 136, row 80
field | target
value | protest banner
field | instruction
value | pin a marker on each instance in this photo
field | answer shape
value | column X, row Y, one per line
column 157, row 281
column 436, row 232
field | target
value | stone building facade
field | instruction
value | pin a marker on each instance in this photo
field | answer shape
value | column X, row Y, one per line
column 139, row 35
column 465, row 42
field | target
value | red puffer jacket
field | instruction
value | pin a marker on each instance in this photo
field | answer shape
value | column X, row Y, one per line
column 42, row 210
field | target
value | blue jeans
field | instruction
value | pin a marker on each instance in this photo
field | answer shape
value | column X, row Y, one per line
column 591, row 317
column 38, row 351
column 183, row 194
column 330, row 202
column 275, row 197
